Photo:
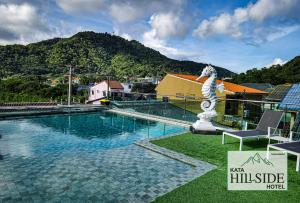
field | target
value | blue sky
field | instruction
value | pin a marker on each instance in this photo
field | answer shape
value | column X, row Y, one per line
column 234, row 34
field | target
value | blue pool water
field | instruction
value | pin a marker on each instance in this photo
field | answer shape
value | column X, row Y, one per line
column 85, row 158
column 91, row 131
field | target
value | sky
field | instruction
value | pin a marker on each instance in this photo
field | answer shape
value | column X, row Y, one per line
column 234, row 34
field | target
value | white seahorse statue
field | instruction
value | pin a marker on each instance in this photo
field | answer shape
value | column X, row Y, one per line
column 208, row 105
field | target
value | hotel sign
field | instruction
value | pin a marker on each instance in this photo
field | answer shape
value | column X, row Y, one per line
column 255, row 170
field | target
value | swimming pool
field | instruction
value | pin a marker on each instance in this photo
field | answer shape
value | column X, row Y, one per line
column 102, row 130
column 85, row 158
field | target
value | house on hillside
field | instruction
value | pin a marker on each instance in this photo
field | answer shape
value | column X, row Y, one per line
column 127, row 87
column 104, row 89
column 152, row 80
column 75, row 80
column 181, row 87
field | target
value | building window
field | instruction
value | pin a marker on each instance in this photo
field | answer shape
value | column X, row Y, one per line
column 191, row 96
column 92, row 92
column 179, row 95
column 104, row 94
column 97, row 91
column 129, row 86
column 231, row 107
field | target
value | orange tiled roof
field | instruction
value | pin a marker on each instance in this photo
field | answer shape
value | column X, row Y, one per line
column 227, row 85
column 113, row 84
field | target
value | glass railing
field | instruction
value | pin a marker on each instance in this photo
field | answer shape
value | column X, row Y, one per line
column 235, row 113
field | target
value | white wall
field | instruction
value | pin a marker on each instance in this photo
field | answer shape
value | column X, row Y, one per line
column 98, row 91
column 127, row 87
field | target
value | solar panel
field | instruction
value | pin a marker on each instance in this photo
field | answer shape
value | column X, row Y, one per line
column 278, row 93
column 291, row 101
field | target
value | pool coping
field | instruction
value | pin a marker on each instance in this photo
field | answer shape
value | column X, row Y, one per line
column 202, row 167
column 58, row 110
column 171, row 121
column 170, row 153
column 152, row 118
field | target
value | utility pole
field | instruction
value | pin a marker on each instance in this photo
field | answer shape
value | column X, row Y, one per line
column 108, row 80
column 70, row 86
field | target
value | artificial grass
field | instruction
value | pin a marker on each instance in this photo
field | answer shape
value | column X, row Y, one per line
column 212, row 187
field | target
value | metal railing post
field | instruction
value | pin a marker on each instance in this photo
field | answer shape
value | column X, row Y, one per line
column 285, row 112
column 149, row 109
column 243, row 109
column 148, row 128
column 184, row 114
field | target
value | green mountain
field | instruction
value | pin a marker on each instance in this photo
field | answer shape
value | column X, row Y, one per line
column 287, row 73
column 92, row 52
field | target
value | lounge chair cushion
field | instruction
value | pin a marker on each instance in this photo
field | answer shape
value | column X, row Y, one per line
column 249, row 133
column 269, row 119
column 291, row 146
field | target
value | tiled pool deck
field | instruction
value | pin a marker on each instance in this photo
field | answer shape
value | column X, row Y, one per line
column 127, row 174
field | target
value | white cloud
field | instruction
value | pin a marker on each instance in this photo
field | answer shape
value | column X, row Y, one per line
column 151, row 40
column 124, row 35
column 123, row 11
column 22, row 24
column 254, row 15
column 276, row 61
column 264, row 9
column 75, row 6
column 168, row 25
column 164, row 26
column 223, row 24
column 267, row 34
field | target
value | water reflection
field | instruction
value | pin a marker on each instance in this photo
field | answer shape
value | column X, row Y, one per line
column 29, row 137
column 95, row 125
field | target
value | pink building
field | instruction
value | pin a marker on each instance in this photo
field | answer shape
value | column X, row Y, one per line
column 102, row 89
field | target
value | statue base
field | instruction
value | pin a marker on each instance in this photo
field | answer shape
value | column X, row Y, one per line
column 204, row 124
column 205, row 132
column 206, row 128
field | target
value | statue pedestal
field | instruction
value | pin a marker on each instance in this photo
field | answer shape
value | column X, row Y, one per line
column 204, row 124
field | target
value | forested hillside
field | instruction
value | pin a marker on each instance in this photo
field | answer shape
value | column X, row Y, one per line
column 287, row 73
column 92, row 52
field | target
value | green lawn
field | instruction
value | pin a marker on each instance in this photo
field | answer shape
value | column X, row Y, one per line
column 212, row 187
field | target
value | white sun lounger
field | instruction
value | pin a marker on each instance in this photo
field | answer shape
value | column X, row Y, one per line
column 266, row 126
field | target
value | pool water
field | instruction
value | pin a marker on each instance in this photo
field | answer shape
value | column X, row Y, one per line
column 101, row 130
column 85, row 158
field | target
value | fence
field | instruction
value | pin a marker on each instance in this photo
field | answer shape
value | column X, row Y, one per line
column 231, row 112
column 235, row 113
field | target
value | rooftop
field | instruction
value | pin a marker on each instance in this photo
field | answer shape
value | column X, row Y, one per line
column 267, row 87
column 291, row 101
column 227, row 85
column 279, row 92
column 113, row 84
